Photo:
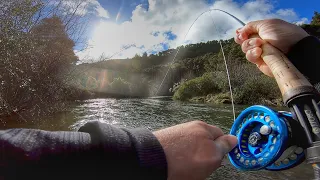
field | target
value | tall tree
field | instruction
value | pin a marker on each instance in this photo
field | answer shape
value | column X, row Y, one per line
column 316, row 19
column 51, row 34
column 314, row 27
column 35, row 53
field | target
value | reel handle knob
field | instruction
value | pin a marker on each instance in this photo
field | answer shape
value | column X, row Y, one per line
column 265, row 130
column 290, row 80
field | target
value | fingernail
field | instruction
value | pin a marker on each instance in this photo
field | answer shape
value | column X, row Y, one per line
column 226, row 144
column 234, row 141
column 238, row 30
column 254, row 53
column 252, row 42
column 240, row 37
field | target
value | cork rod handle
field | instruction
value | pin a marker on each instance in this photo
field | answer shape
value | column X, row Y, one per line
column 288, row 77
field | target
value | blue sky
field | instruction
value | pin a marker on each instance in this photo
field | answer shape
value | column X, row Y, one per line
column 304, row 8
column 156, row 25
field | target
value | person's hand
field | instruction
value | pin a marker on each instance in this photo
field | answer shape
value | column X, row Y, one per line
column 280, row 34
column 194, row 150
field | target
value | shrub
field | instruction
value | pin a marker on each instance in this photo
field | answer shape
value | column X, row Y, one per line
column 257, row 90
column 196, row 87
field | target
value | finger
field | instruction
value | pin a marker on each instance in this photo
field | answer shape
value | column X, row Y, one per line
column 225, row 144
column 254, row 55
column 250, row 29
column 238, row 38
column 251, row 43
column 214, row 131
column 263, row 67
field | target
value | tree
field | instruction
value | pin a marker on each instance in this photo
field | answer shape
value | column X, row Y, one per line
column 36, row 55
column 145, row 55
column 316, row 19
column 314, row 27
column 51, row 34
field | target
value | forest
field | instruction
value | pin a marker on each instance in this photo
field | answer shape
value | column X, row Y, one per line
column 39, row 74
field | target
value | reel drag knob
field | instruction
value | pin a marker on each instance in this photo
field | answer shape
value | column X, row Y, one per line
column 254, row 138
column 265, row 140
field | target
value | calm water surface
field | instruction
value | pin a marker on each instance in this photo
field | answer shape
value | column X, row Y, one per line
column 156, row 113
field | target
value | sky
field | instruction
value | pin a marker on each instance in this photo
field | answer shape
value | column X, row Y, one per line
column 123, row 28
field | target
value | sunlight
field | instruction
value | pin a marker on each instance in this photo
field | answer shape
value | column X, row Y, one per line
column 103, row 80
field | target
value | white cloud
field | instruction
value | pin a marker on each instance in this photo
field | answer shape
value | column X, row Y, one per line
column 302, row 21
column 101, row 12
column 286, row 12
column 177, row 16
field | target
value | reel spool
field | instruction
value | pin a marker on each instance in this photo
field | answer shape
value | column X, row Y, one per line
column 267, row 140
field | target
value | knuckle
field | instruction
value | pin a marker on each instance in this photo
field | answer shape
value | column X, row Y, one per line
column 275, row 21
column 248, row 56
column 244, row 46
column 253, row 23
column 199, row 123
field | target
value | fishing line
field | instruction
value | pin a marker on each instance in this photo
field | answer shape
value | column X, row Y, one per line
column 227, row 69
column 221, row 46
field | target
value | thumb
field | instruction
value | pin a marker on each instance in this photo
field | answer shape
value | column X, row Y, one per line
column 225, row 144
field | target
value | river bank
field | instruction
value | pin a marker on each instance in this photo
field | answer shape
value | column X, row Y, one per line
column 224, row 98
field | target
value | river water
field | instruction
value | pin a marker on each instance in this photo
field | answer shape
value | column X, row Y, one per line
column 156, row 113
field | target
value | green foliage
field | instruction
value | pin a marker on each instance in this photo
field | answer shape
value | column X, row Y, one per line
column 195, row 75
column 196, row 87
column 35, row 55
column 315, row 19
column 257, row 89
column 248, row 83
column 220, row 98
column 314, row 27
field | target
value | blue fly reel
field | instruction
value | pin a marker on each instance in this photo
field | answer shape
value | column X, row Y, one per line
column 267, row 140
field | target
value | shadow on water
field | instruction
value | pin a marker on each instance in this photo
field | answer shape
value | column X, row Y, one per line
column 156, row 113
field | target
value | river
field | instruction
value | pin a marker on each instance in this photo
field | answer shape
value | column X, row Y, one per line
column 156, row 113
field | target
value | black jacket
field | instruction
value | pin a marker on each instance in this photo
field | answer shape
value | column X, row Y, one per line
column 101, row 151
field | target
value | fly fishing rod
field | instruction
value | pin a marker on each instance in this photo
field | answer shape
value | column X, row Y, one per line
column 273, row 140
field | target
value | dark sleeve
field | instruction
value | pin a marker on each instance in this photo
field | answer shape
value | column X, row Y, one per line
column 305, row 55
column 99, row 151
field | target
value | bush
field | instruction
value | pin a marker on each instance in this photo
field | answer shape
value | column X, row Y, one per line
column 257, row 90
column 34, row 80
column 139, row 88
column 220, row 98
column 200, row 86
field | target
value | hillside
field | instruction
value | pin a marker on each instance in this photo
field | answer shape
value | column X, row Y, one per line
column 198, row 71
column 198, row 74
